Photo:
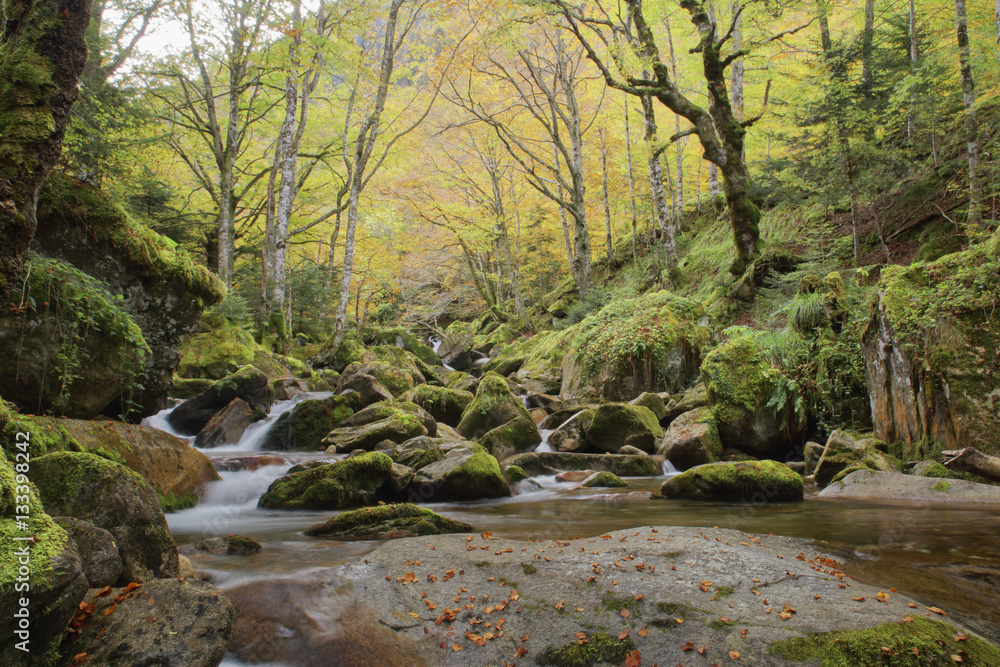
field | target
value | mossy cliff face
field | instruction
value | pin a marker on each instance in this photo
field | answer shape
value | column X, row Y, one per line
column 72, row 347
column 930, row 352
column 161, row 287
column 651, row 343
column 57, row 584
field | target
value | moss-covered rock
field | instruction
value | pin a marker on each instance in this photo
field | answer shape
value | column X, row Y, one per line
column 755, row 406
column 53, row 571
column 651, row 401
column 401, row 338
column 173, row 468
column 516, row 436
column 99, row 557
column 217, row 353
column 468, row 477
column 461, row 381
column 397, row 379
column 542, row 368
column 226, row 426
column 185, row 388
column 357, row 481
column 112, row 497
column 616, row 425
column 248, row 384
column 230, row 545
column 493, row 405
column 913, row 643
column 515, row 474
column 692, row 440
column 387, row 522
column 600, row 648
column 398, row 427
column 651, row 343
column 384, row 410
column 337, row 359
column 304, row 426
column 550, row 463
column 73, row 346
column 604, row 479
column 929, row 353
column 571, row 434
column 444, row 404
column 741, row 482
column 844, row 452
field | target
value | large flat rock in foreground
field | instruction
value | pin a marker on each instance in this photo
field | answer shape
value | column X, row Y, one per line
column 897, row 486
column 667, row 592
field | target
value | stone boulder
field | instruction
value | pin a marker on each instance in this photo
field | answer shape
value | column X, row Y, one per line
column 99, row 557
column 368, row 389
column 303, row 427
column 604, row 480
column 652, row 401
column 516, row 436
column 929, row 350
column 396, row 380
column 843, row 452
column 741, row 385
column 396, row 428
column 112, row 497
column 380, row 411
column 736, row 482
column 387, row 522
column 551, row 463
column 248, row 384
column 226, row 427
column 461, row 381
column 163, row 289
column 166, row 622
column 176, row 470
column 468, row 477
column 880, row 485
column 456, row 351
column 694, row 398
column 692, row 440
column 356, row 481
column 493, row 405
column 616, row 425
column 444, row 404
column 230, row 545
column 53, row 571
column 650, row 614
column 571, row 434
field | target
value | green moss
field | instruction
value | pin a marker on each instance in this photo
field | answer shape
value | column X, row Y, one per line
column 942, row 486
column 493, row 405
column 600, row 648
column 170, row 502
column 605, row 480
column 741, row 481
column 515, row 474
column 738, row 378
column 217, row 353
column 935, row 469
column 614, row 604
column 442, row 403
column 402, row 518
column 889, row 644
column 351, row 482
column 529, row 568
column 723, row 591
column 188, row 387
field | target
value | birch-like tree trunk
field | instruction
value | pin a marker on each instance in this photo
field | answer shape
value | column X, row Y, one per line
column 736, row 73
column 607, row 199
column 660, row 206
column 867, row 36
column 679, row 143
column 971, row 126
column 911, row 130
column 631, row 177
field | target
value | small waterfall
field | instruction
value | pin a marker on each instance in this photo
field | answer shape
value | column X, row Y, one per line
column 256, row 432
column 669, row 469
column 160, row 423
column 437, row 346
column 544, row 445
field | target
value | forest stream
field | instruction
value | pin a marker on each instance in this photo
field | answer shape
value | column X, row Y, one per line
column 944, row 554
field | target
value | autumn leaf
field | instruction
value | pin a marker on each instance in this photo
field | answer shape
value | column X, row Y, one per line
column 960, row 636
column 938, row 610
column 412, row 615
column 581, row 638
column 622, row 635
column 689, row 646
column 633, row 659
column 560, row 604
column 520, row 651
column 104, row 591
column 456, row 647
column 734, row 655
column 643, row 632
column 858, row 599
column 626, row 613
column 110, row 610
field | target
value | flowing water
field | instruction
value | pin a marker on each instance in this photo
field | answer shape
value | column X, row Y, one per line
column 947, row 555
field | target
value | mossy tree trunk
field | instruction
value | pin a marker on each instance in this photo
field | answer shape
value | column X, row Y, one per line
column 43, row 50
column 971, row 126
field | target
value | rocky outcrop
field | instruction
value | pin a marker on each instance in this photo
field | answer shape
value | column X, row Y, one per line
column 166, row 622
column 356, row 481
column 112, row 497
column 387, row 522
column 303, row 427
column 896, row 486
column 659, row 609
column 738, row 482
column 247, row 384
column 692, row 440
column 444, row 404
column 226, row 426
column 550, row 463
column 929, row 351
column 99, row 557
column 469, row 477
column 617, row 425
column 162, row 289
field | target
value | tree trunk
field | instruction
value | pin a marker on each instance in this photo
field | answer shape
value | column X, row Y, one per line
column 631, row 177
column 55, row 52
column 867, row 36
column 660, row 205
column 681, row 143
column 607, row 201
column 736, row 75
column 971, row 126
column 974, row 461
column 562, row 211
column 911, row 120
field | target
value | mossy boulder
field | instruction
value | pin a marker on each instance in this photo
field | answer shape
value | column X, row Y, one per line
column 444, row 404
column 217, row 352
column 515, row 474
column 387, row 522
column 550, row 463
column 650, row 343
column 542, row 368
column 843, row 452
column 339, row 358
column 692, row 440
column 738, row 482
column 456, row 349
column 617, row 425
column 493, row 405
column 226, row 426
column 248, row 384
column 398, row 427
column 397, row 379
column 368, row 389
column 418, row 369
column 742, row 390
column 461, row 381
column 380, row 411
column 604, row 479
column 401, row 338
column 652, row 401
column 53, row 572
column 112, row 497
column 516, row 436
column 303, row 427
column 155, row 281
column 353, row 482
column 176, row 471
column 185, row 388
column 469, row 477
column 929, row 350
column 230, row 545
column 73, row 346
